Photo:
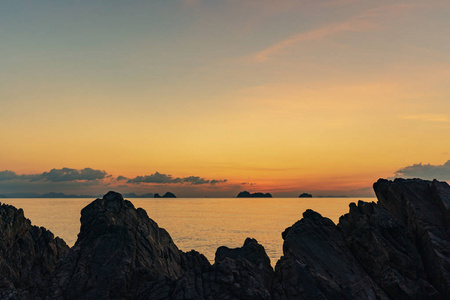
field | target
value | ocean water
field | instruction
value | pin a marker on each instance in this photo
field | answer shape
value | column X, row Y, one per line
column 203, row 224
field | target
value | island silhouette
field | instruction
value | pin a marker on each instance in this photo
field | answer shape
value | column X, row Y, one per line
column 246, row 194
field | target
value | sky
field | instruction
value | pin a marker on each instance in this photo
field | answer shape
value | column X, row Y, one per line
column 209, row 98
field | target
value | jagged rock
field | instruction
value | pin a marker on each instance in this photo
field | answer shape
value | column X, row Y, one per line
column 396, row 249
column 119, row 248
column 423, row 208
column 386, row 251
column 122, row 254
column 243, row 273
column 318, row 265
column 28, row 255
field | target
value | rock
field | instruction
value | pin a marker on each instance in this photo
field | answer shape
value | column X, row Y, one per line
column 422, row 207
column 246, row 271
column 386, row 251
column 119, row 249
column 28, row 255
column 398, row 248
column 316, row 264
column 122, row 254
column 246, row 194
column 305, row 195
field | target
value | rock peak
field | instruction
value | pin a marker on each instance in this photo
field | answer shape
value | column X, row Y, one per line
column 111, row 196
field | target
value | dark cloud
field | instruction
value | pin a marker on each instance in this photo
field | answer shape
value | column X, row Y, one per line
column 8, row 175
column 155, row 178
column 165, row 178
column 195, row 180
column 214, row 181
column 67, row 174
column 425, row 171
column 120, row 177
column 55, row 175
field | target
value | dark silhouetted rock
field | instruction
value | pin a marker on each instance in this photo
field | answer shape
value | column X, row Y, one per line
column 28, row 255
column 305, row 195
column 246, row 194
column 396, row 249
column 423, row 208
column 119, row 249
column 122, row 254
column 318, row 265
column 249, row 266
column 386, row 251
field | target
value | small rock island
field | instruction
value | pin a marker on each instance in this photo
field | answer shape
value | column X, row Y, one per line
column 305, row 195
column 246, row 194
column 166, row 195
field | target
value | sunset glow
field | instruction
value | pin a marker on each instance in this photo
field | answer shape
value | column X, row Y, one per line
column 272, row 96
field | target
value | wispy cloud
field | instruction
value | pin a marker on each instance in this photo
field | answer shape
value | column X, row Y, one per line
column 428, row 118
column 360, row 23
column 316, row 34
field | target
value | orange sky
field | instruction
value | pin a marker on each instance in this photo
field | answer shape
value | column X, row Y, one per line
column 290, row 97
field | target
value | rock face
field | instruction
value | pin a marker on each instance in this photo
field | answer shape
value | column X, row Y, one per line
column 28, row 256
column 246, row 194
column 317, row 264
column 423, row 209
column 398, row 248
column 122, row 254
column 119, row 249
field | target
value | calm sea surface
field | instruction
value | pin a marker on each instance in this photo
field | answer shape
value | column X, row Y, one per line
column 202, row 224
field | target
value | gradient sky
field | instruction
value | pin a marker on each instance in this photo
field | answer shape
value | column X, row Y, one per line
column 284, row 96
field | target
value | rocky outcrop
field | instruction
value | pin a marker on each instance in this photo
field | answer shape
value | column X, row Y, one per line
column 317, row 264
column 28, row 256
column 423, row 209
column 246, row 194
column 386, row 251
column 122, row 254
column 119, row 250
column 398, row 248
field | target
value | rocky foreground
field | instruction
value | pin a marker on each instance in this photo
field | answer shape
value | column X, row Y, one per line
column 398, row 248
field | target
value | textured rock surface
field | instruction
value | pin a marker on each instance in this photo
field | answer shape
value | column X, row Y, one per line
column 122, row 254
column 398, row 248
column 318, row 265
column 386, row 251
column 422, row 207
column 28, row 255
column 118, row 250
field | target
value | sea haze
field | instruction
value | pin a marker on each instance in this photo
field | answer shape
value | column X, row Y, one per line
column 203, row 224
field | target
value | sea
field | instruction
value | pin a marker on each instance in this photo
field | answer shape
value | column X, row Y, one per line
column 203, row 224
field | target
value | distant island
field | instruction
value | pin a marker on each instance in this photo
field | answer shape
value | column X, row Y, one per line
column 305, row 195
column 46, row 195
column 166, row 195
column 133, row 195
column 62, row 195
column 246, row 194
